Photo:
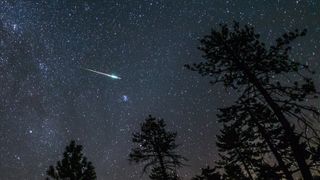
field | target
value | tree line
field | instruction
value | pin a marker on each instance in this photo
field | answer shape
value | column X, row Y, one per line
column 269, row 132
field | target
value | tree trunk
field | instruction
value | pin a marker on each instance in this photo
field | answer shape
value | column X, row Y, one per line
column 245, row 165
column 163, row 169
column 274, row 151
column 298, row 151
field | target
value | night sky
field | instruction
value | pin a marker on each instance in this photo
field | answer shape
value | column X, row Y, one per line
column 47, row 98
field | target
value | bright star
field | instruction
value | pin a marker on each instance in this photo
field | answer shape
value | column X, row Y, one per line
column 15, row 27
column 125, row 98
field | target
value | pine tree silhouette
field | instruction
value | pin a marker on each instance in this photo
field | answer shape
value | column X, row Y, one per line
column 73, row 166
column 235, row 149
column 267, row 172
column 232, row 172
column 156, row 148
column 256, row 125
column 208, row 174
column 238, row 59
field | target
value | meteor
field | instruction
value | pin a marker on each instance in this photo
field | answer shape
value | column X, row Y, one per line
column 101, row 73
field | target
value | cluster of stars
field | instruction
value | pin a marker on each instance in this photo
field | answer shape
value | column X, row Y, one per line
column 46, row 99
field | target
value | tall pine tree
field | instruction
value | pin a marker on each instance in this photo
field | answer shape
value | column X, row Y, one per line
column 237, row 58
column 262, row 131
column 155, row 147
column 73, row 166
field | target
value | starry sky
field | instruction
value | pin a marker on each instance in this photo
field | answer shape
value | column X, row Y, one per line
column 47, row 98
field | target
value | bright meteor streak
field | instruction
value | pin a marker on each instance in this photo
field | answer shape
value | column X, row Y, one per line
column 105, row 74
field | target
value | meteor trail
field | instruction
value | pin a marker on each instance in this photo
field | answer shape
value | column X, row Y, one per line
column 105, row 74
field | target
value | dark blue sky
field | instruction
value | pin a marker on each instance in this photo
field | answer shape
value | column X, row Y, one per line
column 46, row 99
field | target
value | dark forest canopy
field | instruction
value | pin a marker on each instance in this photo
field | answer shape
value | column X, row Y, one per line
column 73, row 166
column 273, row 89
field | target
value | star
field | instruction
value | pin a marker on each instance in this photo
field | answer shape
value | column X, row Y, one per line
column 46, row 99
column 125, row 98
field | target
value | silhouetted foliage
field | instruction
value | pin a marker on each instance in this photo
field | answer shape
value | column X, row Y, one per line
column 208, row 174
column 73, row 166
column 233, row 171
column 155, row 148
column 237, row 58
column 267, row 172
column 260, row 135
column 236, row 149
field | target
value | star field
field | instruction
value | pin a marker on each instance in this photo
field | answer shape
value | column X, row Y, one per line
column 47, row 99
